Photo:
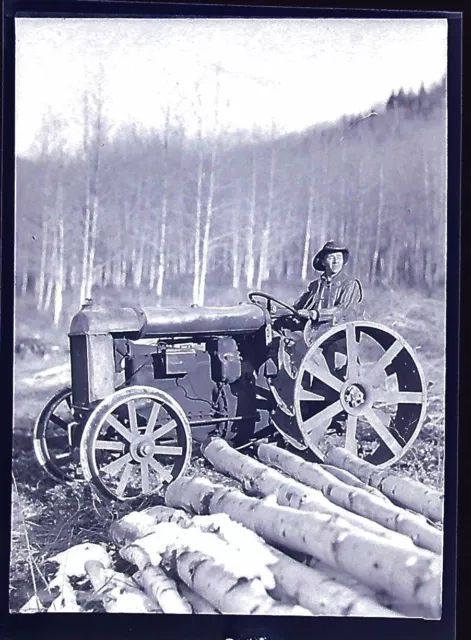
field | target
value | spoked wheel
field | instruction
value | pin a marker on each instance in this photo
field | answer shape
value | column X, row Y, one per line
column 54, row 438
column 360, row 386
column 134, row 442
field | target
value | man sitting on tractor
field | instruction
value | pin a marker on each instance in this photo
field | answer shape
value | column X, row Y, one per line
column 329, row 300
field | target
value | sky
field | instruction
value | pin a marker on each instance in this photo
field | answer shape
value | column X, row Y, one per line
column 261, row 73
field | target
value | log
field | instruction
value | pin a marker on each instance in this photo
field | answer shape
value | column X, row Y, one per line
column 403, row 609
column 199, row 604
column 213, row 570
column 403, row 491
column 317, row 591
column 258, row 479
column 355, row 499
column 350, row 479
column 310, row 588
column 155, row 582
column 138, row 524
column 410, row 574
column 163, row 590
column 118, row 592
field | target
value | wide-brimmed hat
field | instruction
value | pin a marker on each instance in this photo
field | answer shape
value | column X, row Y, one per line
column 329, row 247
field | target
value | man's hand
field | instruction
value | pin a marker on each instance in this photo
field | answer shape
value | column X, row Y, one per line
column 309, row 315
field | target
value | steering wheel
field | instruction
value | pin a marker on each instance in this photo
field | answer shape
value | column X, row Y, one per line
column 269, row 298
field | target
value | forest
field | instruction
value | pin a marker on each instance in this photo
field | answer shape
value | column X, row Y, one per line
column 178, row 215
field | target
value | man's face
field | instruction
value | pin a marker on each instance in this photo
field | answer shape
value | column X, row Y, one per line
column 333, row 263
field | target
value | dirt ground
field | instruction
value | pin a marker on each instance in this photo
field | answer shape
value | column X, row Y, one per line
column 48, row 518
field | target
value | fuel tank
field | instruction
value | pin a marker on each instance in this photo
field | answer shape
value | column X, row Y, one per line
column 154, row 322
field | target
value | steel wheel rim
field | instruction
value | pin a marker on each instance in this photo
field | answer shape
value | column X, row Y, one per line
column 136, row 451
column 54, row 465
column 360, row 380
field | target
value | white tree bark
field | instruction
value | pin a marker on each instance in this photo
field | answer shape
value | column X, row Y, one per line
column 410, row 574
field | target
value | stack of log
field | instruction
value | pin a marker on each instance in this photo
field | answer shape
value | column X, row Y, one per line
column 339, row 539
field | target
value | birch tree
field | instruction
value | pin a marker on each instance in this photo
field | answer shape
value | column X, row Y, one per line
column 93, row 138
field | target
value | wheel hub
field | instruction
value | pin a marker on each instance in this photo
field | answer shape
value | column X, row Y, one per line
column 141, row 448
column 354, row 396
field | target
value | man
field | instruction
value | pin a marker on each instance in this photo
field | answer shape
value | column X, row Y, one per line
column 330, row 299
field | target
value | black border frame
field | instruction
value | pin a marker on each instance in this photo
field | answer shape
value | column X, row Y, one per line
column 222, row 627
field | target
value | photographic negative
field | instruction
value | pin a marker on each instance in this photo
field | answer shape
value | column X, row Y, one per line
column 230, row 282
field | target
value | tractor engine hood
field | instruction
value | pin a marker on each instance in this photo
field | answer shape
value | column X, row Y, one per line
column 154, row 322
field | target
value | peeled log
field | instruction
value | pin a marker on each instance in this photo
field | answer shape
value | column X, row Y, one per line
column 410, row 574
column 354, row 499
column 118, row 592
column 403, row 491
column 260, row 480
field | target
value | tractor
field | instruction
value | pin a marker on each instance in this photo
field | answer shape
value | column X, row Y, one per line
column 150, row 385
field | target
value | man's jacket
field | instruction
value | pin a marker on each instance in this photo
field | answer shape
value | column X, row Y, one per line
column 333, row 298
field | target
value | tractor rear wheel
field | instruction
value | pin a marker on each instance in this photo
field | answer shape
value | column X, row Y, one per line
column 361, row 387
column 54, row 438
column 135, row 441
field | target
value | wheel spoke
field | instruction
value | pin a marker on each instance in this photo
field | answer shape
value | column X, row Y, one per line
column 132, row 415
column 352, row 352
column 305, row 394
column 120, row 428
column 166, row 428
column 58, row 422
column 145, row 477
column 109, row 445
column 373, row 417
column 385, row 360
column 160, row 469
column 323, row 375
column 124, row 480
column 68, row 399
column 114, row 467
column 314, row 427
column 153, row 418
column 351, row 434
column 398, row 397
column 168, row 451
column 62, row 458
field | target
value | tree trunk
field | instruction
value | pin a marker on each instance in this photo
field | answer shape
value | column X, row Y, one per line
column 86, row 251
column 307, row 237
column 359, row 501
column 164, row 208
column 261, row 481
column 207, row 227
column 375, row 267
column 412, row 575
column 263, row 265
column 197, row 242
column 60, row 274
column 24, row 280
column 41, row 282
column 250, row 260
column 403, row 491
column 309, row 587
column 205, row 565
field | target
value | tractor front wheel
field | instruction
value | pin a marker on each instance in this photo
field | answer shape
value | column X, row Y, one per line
column 135, row 441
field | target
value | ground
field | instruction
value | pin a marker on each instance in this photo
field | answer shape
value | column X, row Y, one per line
column 47, row 517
